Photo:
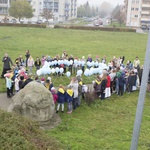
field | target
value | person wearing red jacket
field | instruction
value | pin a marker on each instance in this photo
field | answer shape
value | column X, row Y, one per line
column 107, row 90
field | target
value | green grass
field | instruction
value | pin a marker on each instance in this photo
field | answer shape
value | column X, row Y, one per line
column 117, row 24
column 105, row 124
column 16, row 41
column 18, row 133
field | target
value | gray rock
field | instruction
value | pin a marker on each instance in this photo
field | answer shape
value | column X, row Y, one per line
column 35, row 102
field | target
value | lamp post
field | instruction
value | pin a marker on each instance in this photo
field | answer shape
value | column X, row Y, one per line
column 141, row 99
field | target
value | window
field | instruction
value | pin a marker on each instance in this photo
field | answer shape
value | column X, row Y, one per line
column 3, row 1
column 136, row 9
column 55, row 10
column 136, row 16
column 132, row 8
column 133, row 1
column 3, row 10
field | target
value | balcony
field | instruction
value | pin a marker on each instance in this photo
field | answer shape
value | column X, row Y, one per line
column 145, row 19
column 146, row 5
column 145, row 12
column 3, row 5
column 48, row 1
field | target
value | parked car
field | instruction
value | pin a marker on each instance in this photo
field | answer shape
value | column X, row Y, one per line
column 13, row 21
column 22, row 21
column 39, row 22
column 98, row 23
column 145, row 27
column 88, row 20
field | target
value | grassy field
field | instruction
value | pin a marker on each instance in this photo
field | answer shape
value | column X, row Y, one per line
column 16, row 41
column 105, row 124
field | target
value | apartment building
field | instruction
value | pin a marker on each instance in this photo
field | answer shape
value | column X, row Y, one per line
column 62, row 10
column 138, row 12
column 145, row 12
column 4, row 5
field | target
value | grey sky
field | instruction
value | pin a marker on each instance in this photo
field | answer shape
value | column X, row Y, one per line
column 98, row 2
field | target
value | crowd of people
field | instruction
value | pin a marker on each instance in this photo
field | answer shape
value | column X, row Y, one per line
column 117, row 78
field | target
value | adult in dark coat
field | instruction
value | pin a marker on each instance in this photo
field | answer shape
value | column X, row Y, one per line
column 7, row 61
column 70, row 66
column 121, row 84
column 131, row 81
column 28, row 80
column 27, row 55
column 140, row 75
column 97, row 87
column 103, row 85
column 37, row 63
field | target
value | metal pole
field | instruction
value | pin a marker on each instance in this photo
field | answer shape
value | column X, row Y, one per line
column 141, row 99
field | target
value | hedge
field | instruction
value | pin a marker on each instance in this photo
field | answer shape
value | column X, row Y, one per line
column 23, row 25
column 96, row 28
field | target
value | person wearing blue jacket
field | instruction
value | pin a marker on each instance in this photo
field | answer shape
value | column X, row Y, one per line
column 69, row 98
column 122, row 81
column 61, row 98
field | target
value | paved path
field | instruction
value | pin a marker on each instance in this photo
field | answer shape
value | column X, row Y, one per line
column 4, row 101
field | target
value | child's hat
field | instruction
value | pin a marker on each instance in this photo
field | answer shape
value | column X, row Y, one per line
column 42, row 79
column 49, row 78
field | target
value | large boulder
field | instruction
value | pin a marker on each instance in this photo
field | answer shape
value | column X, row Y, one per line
column 35, row 102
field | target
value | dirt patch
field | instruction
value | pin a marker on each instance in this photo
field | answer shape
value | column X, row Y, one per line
column 4, row 101
column 5, row 38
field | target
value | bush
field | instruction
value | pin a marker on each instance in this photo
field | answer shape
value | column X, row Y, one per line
column 21, row 133
column 96, row 28
column 24, row 25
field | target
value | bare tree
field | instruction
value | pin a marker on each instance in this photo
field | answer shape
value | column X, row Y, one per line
column 47, row 14
column 119, row 14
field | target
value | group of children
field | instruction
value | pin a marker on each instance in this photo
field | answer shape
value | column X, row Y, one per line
column 70, row 95
column 18, row 79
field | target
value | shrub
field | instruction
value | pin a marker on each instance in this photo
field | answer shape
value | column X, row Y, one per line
column 24, row 25
column 21, row 133
column 96, row 28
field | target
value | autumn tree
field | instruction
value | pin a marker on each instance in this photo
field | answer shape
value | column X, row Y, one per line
column 20, row 9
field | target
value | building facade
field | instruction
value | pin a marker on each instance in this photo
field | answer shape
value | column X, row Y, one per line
column 145, row 12
column 4, row 5
column 138, row 12
column 62, row 10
